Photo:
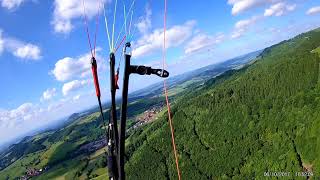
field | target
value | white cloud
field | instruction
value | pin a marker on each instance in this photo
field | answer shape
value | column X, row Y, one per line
column 21, row 120
column 23, row 109
column 28, row 117
column 76, row 98
column 152, row 42
column 28, row 51
column 145, row 23
column 1, row 42
column 73, row 86
column 242, row 26
column 48, row 94
column 279, row 9
column 313, row 10
column 66, row 11
column 11, row 4
column 201, row 41
column 239, row 6
column 68, row 67
column 55, row 106
column 12, row 118
column 237, row 33
column 20, row 49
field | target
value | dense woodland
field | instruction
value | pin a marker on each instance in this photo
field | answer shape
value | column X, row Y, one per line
column 262, row 118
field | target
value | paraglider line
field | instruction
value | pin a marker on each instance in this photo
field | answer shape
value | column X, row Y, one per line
column 107, row 27
column 114, row 22
column 166, row 92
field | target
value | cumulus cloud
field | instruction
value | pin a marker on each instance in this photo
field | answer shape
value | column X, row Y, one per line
column 11, row 118
column 66, row 11
column 239, row 6
column 237, row 33
column 73, row 86
column 68, row 67
column 279, row 9
column 28, row 116
column 242, row 26
column 11, row 4
column 152, row 42
column 48, row 94
column 144, row 24
column 1, row 42
column 20, row 49
column 201, row 41
column 313, row 10
column 28, row 51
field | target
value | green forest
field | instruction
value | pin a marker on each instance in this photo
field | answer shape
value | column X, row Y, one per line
column 262, row 118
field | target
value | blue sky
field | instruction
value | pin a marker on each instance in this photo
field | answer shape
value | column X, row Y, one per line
column 45, row 61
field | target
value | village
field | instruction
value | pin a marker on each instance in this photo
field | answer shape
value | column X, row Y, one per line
column 146, row 117
column 32, row 172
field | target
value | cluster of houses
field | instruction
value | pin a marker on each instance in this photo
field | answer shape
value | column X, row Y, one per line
column 146, row 117
column 149, row 115
column 31, row 172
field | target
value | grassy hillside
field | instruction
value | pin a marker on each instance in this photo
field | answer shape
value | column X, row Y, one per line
column 262, row 118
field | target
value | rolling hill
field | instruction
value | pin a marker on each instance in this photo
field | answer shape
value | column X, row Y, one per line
column 248, row 123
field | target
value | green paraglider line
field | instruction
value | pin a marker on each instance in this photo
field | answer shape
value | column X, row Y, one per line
column 125, row 18
column 107, row 27
column 130, row 23
column 114, row 22
column 122, row 27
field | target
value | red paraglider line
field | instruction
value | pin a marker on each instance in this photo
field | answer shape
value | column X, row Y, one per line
column 95, row 34
column 166, row 92
column 87, row 29
column 124, row 37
